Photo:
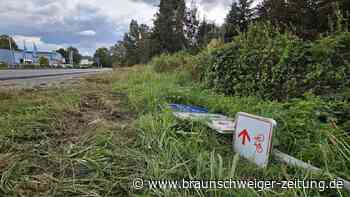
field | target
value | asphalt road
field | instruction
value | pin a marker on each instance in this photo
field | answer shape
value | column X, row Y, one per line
column 31, row 78
column 29, row 74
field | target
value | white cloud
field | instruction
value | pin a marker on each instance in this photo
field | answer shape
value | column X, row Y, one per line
column 216, row 14
column 122, row 11
column 80, row 23
column 87, row 33
column 30, row 40
column 85, row 24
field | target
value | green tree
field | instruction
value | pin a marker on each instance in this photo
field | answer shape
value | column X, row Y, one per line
column 118, row 53
column 76, row 55
column 64, row 54
column 168, row 32
column 275, row 11
column 336, row 13
column 238, row 18
column 232, row 22
column 306, row 18
column 345, row 6
column 144, row 44
column 43, row 61
column 192, row 25
column 246, row 13
column 103, row 56
column 131, row 42
column 135, row 46
column 131, row 53
column 208, row 31
column 4, row 42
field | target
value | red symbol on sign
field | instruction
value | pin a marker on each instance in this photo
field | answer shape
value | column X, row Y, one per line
column 245, row 135
column 258, row 140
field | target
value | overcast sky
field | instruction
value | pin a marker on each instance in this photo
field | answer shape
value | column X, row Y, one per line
column 85, row 24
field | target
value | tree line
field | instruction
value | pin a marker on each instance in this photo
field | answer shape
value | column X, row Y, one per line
column 5, row 42
column 77, row 57
column 177, row 27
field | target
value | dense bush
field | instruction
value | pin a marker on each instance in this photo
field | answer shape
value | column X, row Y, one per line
column 168, row 63
column 273, row 65
column 329, row 70
column 340, row 108
column 204, row 57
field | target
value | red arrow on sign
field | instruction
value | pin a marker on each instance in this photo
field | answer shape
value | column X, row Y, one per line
column 245, row 135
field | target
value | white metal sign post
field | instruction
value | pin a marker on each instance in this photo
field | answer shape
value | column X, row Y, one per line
column 252, row 139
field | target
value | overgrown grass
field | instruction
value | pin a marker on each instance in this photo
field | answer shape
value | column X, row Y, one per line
column 72, row 141
column 176, row 150
column 83, row 141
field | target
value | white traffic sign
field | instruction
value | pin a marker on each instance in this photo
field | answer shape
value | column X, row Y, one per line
column 252, row 139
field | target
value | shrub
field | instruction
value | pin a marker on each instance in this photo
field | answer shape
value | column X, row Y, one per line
column 172, row 62
column 261, row 61
column 43, row 61
column 276, row 65
column 329, row 71
column 3, row 65
column 204, row 58
column 166, row 142
column 215, row 43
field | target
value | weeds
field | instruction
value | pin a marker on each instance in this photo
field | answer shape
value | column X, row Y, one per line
column 176, row 150
column 64, row 142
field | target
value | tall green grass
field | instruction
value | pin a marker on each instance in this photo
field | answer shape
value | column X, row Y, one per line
column 179, row 150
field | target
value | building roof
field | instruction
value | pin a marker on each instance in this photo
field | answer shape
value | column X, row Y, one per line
column 11, row 58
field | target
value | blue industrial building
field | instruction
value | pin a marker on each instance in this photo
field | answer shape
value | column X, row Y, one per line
column 16, row 57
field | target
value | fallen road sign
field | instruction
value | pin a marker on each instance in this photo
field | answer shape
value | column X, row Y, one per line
column 253, row 137
column 217, row 122
column 187, row 108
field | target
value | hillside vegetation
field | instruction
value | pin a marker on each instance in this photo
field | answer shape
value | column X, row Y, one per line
column 176, row 150
column 96, row 141
column 286, row 60
column 276, row 65
column 303, row 85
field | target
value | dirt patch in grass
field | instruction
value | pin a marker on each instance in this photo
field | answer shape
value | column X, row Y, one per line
column 67, row 141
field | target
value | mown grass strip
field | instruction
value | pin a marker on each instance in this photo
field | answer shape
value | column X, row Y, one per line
column 51, row 143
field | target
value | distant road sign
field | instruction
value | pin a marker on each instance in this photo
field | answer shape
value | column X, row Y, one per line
column 252, row 139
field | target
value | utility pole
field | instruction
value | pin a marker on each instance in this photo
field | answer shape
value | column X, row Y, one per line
column 71, row 57
column 24, row 52
column 13, row 61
